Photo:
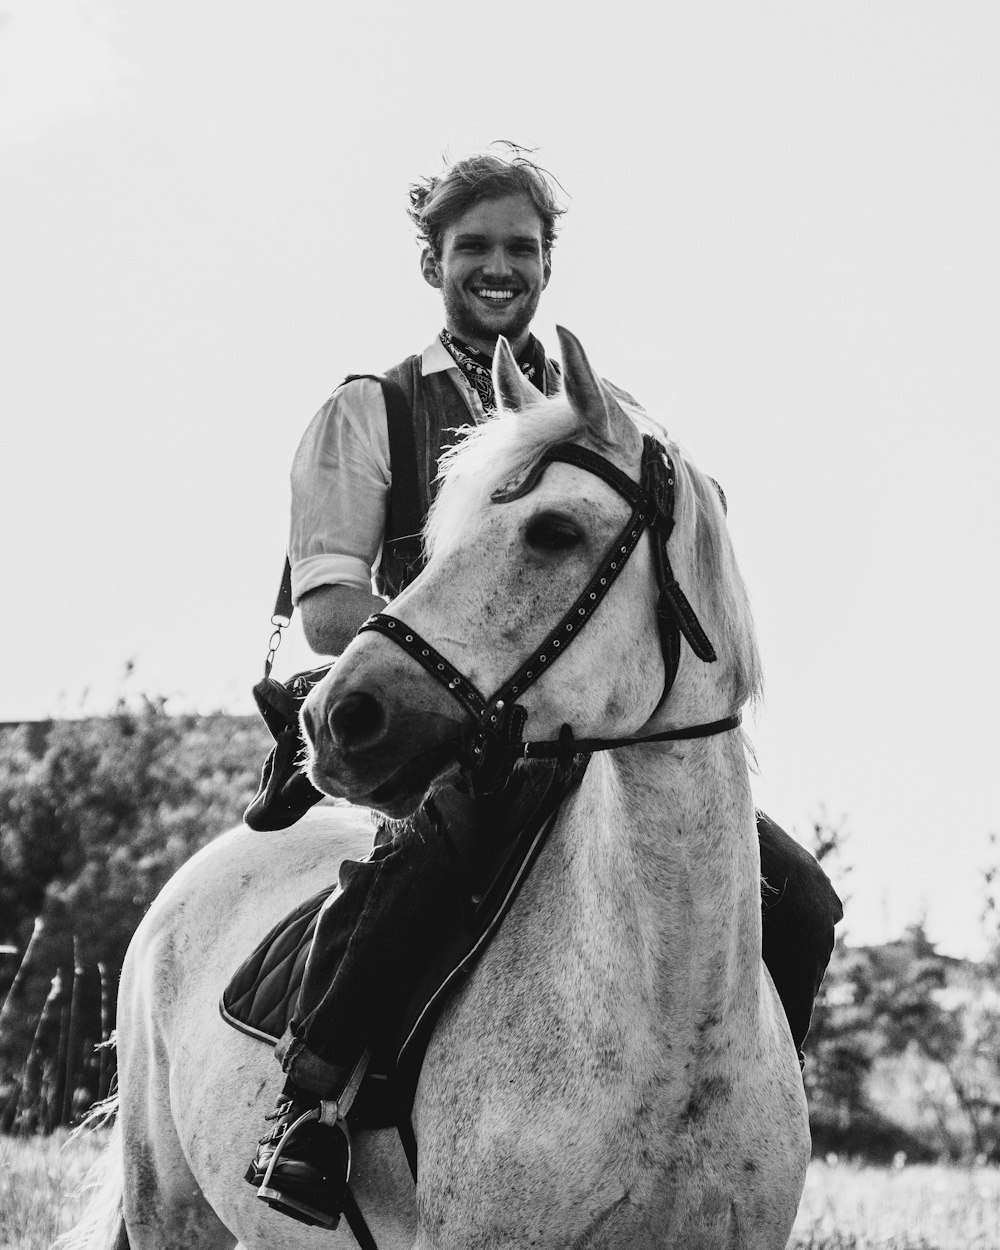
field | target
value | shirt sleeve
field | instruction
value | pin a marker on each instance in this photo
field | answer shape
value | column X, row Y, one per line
column 340, row 485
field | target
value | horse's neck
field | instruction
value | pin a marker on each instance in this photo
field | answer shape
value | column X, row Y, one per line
column 667, row 856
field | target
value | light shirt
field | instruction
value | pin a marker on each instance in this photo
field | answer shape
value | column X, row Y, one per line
column 340, row 481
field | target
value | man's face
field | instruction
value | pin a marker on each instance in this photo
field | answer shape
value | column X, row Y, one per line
column 491, row 272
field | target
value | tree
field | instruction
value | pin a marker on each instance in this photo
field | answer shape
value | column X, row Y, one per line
column 91, row 829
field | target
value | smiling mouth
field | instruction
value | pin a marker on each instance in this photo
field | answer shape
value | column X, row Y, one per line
column 495, row 294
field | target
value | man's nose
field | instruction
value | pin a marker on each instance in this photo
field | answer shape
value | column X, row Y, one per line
column 497, row 262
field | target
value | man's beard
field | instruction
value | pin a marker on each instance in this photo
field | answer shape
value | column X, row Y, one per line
column 463, row 320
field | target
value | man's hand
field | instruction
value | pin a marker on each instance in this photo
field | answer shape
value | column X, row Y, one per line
column 331, row 616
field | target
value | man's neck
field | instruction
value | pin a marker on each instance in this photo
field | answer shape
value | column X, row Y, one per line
column 488, row 346
column 477, row 366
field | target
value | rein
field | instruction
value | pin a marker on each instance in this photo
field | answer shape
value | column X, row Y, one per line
column 491, row 748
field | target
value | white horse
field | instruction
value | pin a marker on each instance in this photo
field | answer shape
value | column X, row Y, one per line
column 618, row 1070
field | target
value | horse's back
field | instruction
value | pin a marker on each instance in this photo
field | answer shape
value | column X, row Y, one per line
column 252, row 879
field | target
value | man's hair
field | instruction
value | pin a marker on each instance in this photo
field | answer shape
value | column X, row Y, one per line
column 438, row 201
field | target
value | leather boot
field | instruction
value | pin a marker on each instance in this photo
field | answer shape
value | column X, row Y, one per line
column 302, row 1165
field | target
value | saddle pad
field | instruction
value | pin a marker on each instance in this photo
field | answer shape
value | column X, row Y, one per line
column 260, row 998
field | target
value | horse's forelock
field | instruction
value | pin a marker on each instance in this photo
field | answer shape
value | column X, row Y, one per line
column 499, row 451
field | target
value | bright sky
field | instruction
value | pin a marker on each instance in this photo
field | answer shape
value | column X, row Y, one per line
column 784, row 237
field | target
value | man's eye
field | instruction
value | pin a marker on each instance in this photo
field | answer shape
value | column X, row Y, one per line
column 549, row 532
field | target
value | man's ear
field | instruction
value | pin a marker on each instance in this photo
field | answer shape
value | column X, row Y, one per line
column 546, row 270
column 430, row 267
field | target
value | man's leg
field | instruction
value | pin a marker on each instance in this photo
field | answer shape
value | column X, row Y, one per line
column 800, row 908
column 374, row 937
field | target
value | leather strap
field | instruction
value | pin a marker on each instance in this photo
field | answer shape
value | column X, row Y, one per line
column 357, row 1222
column 429, row 658
column 542, row 750
column 332, row 1110
column 404, row 519
column 488, row 914
column 574, row 620
column 283, row 606
column 334, row 1114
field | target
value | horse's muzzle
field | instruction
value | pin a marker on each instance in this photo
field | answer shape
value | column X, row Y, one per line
column 378, row 729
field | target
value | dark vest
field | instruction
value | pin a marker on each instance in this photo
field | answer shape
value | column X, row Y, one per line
column 439, row 412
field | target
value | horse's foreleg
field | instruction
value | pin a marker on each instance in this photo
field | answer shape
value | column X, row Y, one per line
column 164, row 1206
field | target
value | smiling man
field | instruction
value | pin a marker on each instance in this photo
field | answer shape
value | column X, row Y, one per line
column 487, row 228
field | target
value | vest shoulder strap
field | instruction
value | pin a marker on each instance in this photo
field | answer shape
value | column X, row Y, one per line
column 404, row 518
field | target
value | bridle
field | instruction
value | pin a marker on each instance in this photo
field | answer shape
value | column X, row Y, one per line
column 494, row 743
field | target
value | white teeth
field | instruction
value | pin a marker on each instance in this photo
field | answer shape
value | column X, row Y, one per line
column 497, row 295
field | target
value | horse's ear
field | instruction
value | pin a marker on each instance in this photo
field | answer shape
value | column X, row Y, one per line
column 586, row 393
column 512, row 387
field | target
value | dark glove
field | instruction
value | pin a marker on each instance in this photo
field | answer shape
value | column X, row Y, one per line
column 285, row 793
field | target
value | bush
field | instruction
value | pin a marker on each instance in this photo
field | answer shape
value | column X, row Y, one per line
column 93, row 821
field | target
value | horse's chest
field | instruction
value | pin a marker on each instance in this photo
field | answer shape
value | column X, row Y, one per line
column 604, row 1139
column 548, row 1111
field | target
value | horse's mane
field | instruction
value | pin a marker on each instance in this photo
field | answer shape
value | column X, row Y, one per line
column 504, row 448
column 699, row 505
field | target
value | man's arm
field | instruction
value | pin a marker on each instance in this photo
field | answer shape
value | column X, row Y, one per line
column 340, row 482
column 331, row 615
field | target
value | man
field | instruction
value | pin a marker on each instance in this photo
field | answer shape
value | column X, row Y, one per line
column 491, row 262
column 487, row 225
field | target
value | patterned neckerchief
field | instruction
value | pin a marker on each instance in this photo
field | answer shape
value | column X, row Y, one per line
column 478, row 367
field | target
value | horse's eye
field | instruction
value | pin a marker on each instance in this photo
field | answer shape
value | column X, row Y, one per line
column 549, row 532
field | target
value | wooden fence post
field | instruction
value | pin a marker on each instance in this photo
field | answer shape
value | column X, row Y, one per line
column 107, row 1026
column 31, row 1074
column 16, row 989
column 72, row 1065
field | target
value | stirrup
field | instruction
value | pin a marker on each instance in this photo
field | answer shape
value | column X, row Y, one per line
column 328, row 1113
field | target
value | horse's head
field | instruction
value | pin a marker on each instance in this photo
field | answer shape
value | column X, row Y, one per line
column 523, row 526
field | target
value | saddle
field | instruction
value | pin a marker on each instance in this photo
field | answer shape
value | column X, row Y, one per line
column 261, row 997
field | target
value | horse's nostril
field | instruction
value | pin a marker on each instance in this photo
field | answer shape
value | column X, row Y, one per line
column 357, row 720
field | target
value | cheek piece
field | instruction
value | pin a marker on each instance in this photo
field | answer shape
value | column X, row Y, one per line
column 492, row 744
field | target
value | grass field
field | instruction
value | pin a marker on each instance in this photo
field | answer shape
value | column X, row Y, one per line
column 850, row 1206
column 39, row 1180
column 845, row 1207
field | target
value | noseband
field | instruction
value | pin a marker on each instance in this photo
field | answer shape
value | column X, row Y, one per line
column 494, row 744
